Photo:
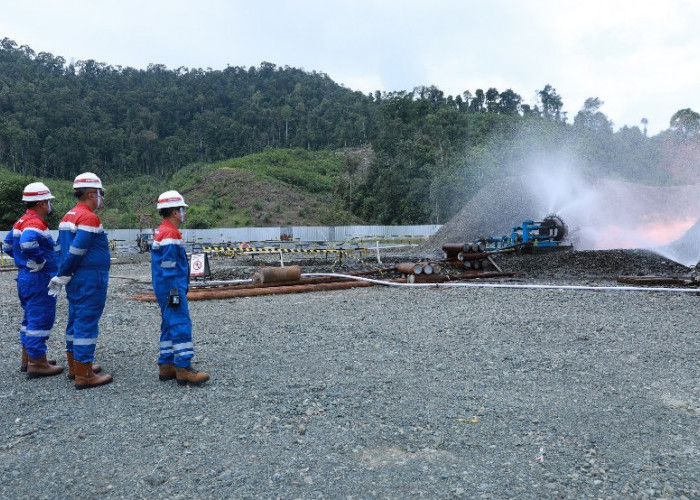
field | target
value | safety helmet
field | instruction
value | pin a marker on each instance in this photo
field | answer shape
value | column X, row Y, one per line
column 171, row 199
column 37, row 191
column 87, row 180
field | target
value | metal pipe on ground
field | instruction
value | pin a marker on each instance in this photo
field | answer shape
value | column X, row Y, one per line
column 409, row 268
column 493, row 263
column 442, row 278
column 403, row 283
column 243, row 284
column 251, row 292
column 431, row 278
column 471, row 275
column 694, row 290
column 478, row 246
column 451, row 250
column 656, row 280
column 475, row 255
column 278, row 274
column 452, row 247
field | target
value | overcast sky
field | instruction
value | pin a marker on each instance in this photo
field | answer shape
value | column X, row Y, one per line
column 640, row 57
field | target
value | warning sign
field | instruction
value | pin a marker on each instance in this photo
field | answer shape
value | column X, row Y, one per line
column 199, row 266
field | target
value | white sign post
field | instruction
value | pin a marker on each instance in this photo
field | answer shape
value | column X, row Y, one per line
column 199, row 266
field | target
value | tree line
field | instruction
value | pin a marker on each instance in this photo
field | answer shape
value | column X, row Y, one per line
column 431, row 151
column 56, row 119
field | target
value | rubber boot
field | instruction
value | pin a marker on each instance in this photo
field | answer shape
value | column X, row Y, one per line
column 166, row 371
column 41, row 368
column 25, row 360
column 86, row 378
column 190, row 376
column 71, row 372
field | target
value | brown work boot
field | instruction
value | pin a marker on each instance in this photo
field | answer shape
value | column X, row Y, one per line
column 71, row 372
column 41, row 368
column 166, row 371
column 25, row 360
column 190, row 376
column 86, row 378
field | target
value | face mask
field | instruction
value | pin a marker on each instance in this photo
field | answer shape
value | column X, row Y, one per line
column 49, row 207
column 100, row 200
column 182, row 215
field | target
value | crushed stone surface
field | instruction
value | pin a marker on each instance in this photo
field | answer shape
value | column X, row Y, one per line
column 374, row 392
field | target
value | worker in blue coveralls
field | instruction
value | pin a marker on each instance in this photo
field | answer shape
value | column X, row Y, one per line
column 34, row 251
column 84, row 271
column 170, row 275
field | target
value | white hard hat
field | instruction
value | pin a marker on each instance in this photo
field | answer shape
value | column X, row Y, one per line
column 37, row 191
column 87, row 180
column 171, row 199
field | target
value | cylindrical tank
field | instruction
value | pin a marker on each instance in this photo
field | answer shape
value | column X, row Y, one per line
column 279, row 274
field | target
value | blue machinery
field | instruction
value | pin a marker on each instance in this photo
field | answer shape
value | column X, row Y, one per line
column 547, row 234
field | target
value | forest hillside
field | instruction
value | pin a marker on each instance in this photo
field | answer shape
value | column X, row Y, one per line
column 274, row 145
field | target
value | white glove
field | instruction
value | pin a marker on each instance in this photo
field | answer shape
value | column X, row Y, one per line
column 57, row 283
column 34, row 266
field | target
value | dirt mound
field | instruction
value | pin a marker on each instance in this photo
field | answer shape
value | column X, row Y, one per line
column 590, row 264
column 488, row 211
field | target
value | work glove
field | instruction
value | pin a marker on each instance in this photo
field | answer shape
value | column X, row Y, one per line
column 34, row 267
column 174, row 298
column 57, row 283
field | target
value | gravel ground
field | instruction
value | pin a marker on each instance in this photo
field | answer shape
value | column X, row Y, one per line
column 374, row 393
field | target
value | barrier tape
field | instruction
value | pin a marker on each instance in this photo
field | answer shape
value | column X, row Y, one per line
column 233, row 251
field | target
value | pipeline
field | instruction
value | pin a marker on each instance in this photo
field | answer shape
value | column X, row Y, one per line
column 517, row 286
column 358, row 281
column 251, row 283
column 215, row 283
column 250, row 292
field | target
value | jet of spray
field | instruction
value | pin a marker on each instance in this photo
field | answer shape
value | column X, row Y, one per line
column 609, row 214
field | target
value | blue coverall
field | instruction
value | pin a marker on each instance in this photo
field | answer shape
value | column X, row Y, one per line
column 30, row 240
column 85, row 257
column 170, row 271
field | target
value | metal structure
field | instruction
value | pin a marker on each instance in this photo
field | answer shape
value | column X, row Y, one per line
column 547, row 234
column 144, row 238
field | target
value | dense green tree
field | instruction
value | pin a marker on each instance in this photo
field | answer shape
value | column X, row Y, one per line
column 552, row 103
column 509, row 103
column 476, row 104
column 492, row 97
column 591, row 119
column 686, row 122
column 11, row 206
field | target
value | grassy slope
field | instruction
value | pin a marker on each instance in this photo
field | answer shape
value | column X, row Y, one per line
column 273, row 188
